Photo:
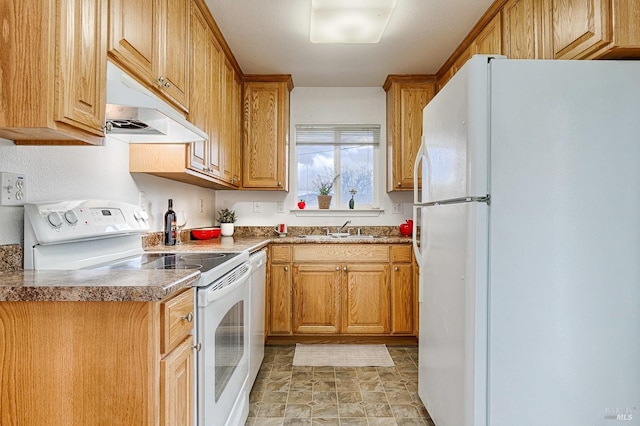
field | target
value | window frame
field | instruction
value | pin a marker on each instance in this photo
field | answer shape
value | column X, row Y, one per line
column 377, row 169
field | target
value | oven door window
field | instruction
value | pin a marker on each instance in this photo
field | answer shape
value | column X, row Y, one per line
column 229, row 342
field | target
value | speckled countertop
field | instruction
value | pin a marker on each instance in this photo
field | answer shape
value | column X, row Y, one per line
column 144, row 285
column 93, row 285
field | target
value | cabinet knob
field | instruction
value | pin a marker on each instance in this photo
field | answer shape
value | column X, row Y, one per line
column 163, row 82
column 337, row 268
column 395, row 269
column 286, row 268
column 344, row 268
column 197, row 347
column 398, row 184
column 188, row 317
column 279, row 183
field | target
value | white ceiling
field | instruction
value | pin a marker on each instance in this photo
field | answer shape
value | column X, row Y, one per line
column 272, row 37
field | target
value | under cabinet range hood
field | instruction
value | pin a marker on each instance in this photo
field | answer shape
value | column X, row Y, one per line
column 136, row 115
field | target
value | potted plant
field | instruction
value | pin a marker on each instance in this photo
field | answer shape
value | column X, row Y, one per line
column 226, row 218
column 324, row 184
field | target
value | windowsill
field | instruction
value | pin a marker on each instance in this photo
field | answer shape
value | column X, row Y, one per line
column 338, row 212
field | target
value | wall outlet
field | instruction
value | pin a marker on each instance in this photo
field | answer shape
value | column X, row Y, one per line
column 280, row 206
column 257, row 207
column 13, row 189
column 397, row 208
column 201, row 205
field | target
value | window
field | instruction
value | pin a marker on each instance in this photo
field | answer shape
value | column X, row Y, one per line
column 349, row 151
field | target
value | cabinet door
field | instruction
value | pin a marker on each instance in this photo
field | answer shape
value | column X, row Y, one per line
column 132, row 36
column 365, row 298
column 402, row 298
column 315, row 299
column 404, row 123
column 524, row 36
column 266, row 117
column 489, row 41
column 236, row 159
column 227, row 139
column 200, row 89
column 579, row 27
column 82, row 64
column 280, row 312
column 176, row 386
column 172, row 67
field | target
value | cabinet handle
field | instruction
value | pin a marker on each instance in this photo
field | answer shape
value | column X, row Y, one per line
column 286, row 268
column 188, row 317
column 395, row 269
column 163, row 83
column 344, row 268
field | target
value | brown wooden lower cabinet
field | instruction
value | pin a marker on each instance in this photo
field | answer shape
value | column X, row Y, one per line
column 79, row 363
column 316, row 298
column 341, row 290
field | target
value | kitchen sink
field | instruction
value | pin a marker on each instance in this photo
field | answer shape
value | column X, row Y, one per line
column 337, row 237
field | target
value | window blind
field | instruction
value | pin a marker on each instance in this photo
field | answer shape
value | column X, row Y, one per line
column 332, row 134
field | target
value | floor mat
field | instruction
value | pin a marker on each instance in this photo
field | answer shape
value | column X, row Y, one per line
column 342, row 356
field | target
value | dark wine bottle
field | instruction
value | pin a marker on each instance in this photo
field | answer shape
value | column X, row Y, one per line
column 170, row 225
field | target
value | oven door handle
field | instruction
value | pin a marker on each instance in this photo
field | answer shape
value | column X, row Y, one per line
column 207, row 295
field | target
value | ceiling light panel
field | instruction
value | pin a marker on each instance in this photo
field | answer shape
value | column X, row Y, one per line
column 349, row 21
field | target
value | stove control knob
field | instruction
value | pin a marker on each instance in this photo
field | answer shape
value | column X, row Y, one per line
column 71, row 217
column 54, row 219
column 136, row 215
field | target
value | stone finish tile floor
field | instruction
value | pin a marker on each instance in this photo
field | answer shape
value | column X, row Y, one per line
column 340, row 396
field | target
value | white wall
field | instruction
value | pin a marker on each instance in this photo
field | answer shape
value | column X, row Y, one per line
column 77, row 172
column 319, row 105
column 98, row 172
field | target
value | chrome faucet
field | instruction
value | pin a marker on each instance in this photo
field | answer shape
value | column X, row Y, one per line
column 342, row 227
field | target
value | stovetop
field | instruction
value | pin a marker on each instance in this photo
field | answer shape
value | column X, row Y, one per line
column 211, row 265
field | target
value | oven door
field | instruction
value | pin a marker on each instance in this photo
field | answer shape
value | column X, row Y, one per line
column 223, row 360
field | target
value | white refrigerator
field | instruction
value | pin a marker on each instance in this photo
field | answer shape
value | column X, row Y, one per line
column 529, row 245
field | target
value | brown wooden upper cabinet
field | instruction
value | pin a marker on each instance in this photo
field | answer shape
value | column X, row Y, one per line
column 406, row 97
column 214, row 106
column 588, row 29
column 525, row 33
column 552, row 29
column 53, row 68
column 265, row 137
column 150, row 40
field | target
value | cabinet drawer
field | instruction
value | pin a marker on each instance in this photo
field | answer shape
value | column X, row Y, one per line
column 401, row 254
column 341, row 253
column 176, row 320
column 280, row 254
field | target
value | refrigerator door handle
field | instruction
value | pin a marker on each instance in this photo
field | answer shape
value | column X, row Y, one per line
column 420, row 248
column 419, row 156
column 483, row 199
column 416, row 245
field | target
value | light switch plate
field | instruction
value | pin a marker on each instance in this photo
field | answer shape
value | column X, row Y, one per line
column 13, row 189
